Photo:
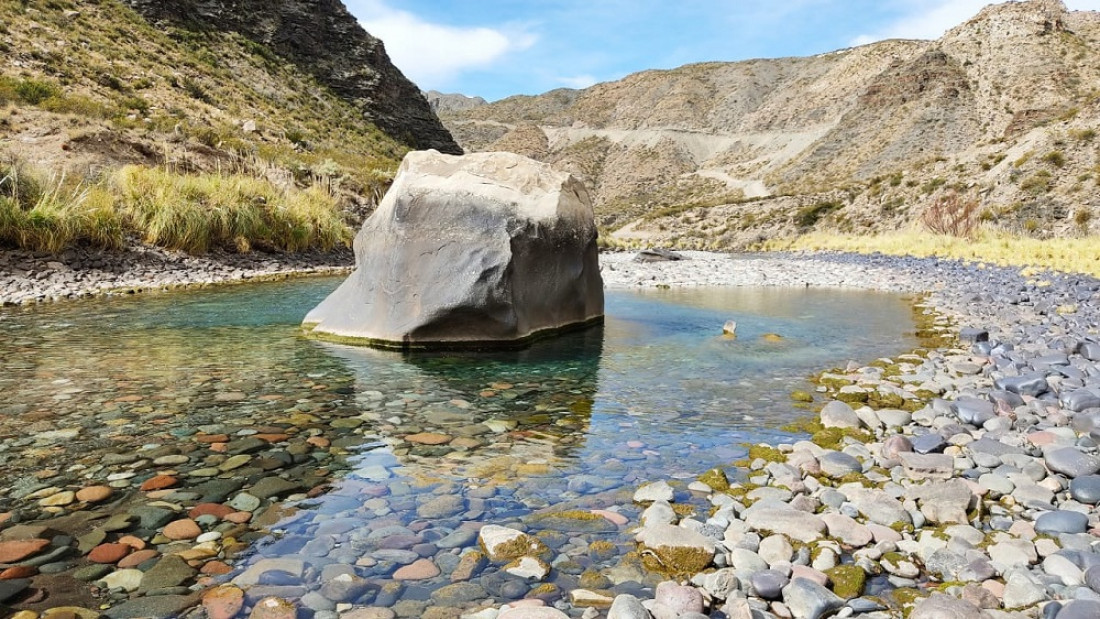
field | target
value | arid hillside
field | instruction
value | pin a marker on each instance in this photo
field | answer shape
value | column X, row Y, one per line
column 999, row 115
column 293, row 91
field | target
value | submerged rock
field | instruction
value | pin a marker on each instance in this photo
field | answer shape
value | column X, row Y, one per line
column 490, row 249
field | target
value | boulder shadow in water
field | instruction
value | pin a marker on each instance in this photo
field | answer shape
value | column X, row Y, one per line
column 450, row 411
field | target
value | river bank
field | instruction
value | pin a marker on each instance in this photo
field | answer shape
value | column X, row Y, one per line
column 959, row 481
column 35, row 277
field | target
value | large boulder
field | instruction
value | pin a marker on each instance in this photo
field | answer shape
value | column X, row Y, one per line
column 482, row 250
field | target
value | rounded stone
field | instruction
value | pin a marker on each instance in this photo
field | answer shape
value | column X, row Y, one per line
column 1062, row 521
column 769, row 584
column 109, row 553
column 94, row 494
column 182, row 530
column 1085, row 489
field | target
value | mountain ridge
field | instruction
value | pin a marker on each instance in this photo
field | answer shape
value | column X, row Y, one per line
column 950, row 115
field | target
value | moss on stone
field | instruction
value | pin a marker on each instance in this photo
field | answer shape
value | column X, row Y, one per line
column 545, row 589
column 853, row 397
column 907, row 596
column 676, row 562
column 766, row 453
column 802, row 396
column 683, row 510
column 848, row 580
column 591, row 579
column 573, row 514
column 715, row 478
column 878, row 400
column 807, row 425
column 833, row 438
column 601, row 550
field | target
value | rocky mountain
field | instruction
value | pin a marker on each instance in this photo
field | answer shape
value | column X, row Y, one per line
column 291, row 90
column 452, row 102
column 321, row 38
column 1002, row 111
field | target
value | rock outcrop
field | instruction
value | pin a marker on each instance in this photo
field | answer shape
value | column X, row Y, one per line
column 324, row 40
column 486, row 250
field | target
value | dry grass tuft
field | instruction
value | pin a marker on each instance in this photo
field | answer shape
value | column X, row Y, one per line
column 189, row 212
column 1078, row 255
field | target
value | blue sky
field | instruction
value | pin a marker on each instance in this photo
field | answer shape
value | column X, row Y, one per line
column 498, row 48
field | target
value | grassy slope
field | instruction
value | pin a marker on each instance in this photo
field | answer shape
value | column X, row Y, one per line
column 87, row 87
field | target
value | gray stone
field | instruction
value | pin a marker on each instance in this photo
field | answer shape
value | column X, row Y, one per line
column 485, row 248
column 808, row 600
column 927, row 466
column 876, row 505
column 943, row 502
column 837, row 414
column 794, row 524
column 171, row 571
column 1079, row 609
column 1022, row 592
column 1080, row 400
column 769, row 584
column 1085, row 489
column 1034, row 384
column 993, row 447
column 933, row 442
column 847, row 530
column 657, row 491
column 837, row 464
column 1071, row 462
column 627, row 606
column 1061, row 521
column 974, row 411
column 940, row 606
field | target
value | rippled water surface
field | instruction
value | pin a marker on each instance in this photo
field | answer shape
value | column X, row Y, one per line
column 413, row 452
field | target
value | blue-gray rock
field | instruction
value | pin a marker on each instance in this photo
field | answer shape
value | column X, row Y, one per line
column 993, row 447
column 837, row 464
column 769, row 584
column 1092, row 578
column 808, row 600
column 1079, row 609
column 933, row 442
column 1071, row 462
column 1034, row 384
column 1061, row 521
column 1080, row 400
column 974, row 411
column 1089, row 350
column 1005, row 399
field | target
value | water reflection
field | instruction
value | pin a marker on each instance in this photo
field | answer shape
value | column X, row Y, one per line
column 417, row 450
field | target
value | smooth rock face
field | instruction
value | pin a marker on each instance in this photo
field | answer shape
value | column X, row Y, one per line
column 486, row 249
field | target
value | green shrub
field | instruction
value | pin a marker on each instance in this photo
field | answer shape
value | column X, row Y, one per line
column 808, row 216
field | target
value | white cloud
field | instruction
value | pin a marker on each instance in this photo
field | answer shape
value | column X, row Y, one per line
column 432, row 55
column 578, row 81
column 930, row 19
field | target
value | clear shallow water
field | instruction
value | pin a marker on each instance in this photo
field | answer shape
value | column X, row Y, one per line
column 577, row 422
